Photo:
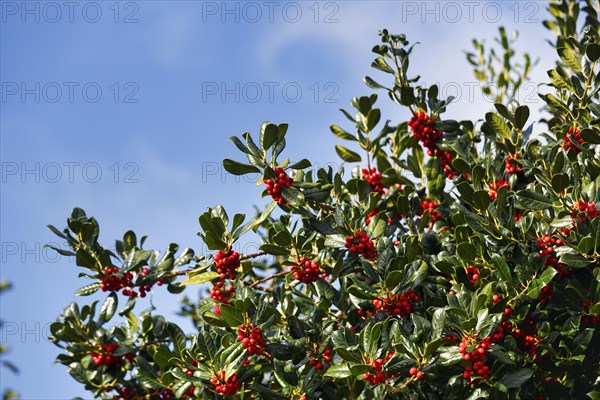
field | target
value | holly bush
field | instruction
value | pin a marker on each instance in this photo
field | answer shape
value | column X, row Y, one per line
column 453, row 260
column 7, row 394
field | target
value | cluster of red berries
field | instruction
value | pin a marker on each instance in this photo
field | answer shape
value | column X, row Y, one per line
column 585, row 211
column 252, row 338
column 500, row 332
column 518, row 215
column 318, row 361
column 374, row 179
column 572, row 135
column 218, row 293
column 306, row 271
column 373, row 214
column 546, row 295
column 452, row 338
column 414, row 371
column 274, row 186
column 106, row 358
column 590, row 320
column 424, row 129
column 143, row 288
column 587, row 319
column 529, row 342
column 125, row 393
column 472, row 274
column 361, row 244
column 397, row 304
column 477, row 356
column 401, row 304
column 190, row 392
column 227, row 264
column 112, row 282
column 378, row 375
column 298, row 396
column 446, row 163
column 494, row 186
column 428, row 205
column 546, row 245
column 227, row 387
column 526, row 336
column 511, row 167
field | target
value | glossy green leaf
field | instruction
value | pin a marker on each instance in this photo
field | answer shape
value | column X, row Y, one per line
column 231, row 315
column 293, row 196
column 516, row 378
column 347, row 154
column 237, row 168
column 340, row 371
column 88, row 289
column 532, row 200
column 109, row 307
column 200, row 278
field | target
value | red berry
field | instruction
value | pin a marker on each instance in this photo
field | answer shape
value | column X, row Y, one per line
column 571, row 137
column 494, row 186
column 423, row 128
column 430, row 206
column 306, row 271
column 252, row 338
column 361, row 244
column 374, row 179
column 275, row 186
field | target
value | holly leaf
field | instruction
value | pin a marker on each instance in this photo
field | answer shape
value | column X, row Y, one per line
column 347, row 154
column 109, row 307
column 237, row 168
column 339, row 371
column 200, row 278
column 516, row 378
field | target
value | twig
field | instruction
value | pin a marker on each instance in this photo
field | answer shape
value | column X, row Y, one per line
column 280, row 273
column 253, row 255
column 264, row 289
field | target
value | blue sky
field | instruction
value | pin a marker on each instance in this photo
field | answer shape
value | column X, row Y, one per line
column 124, row 109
